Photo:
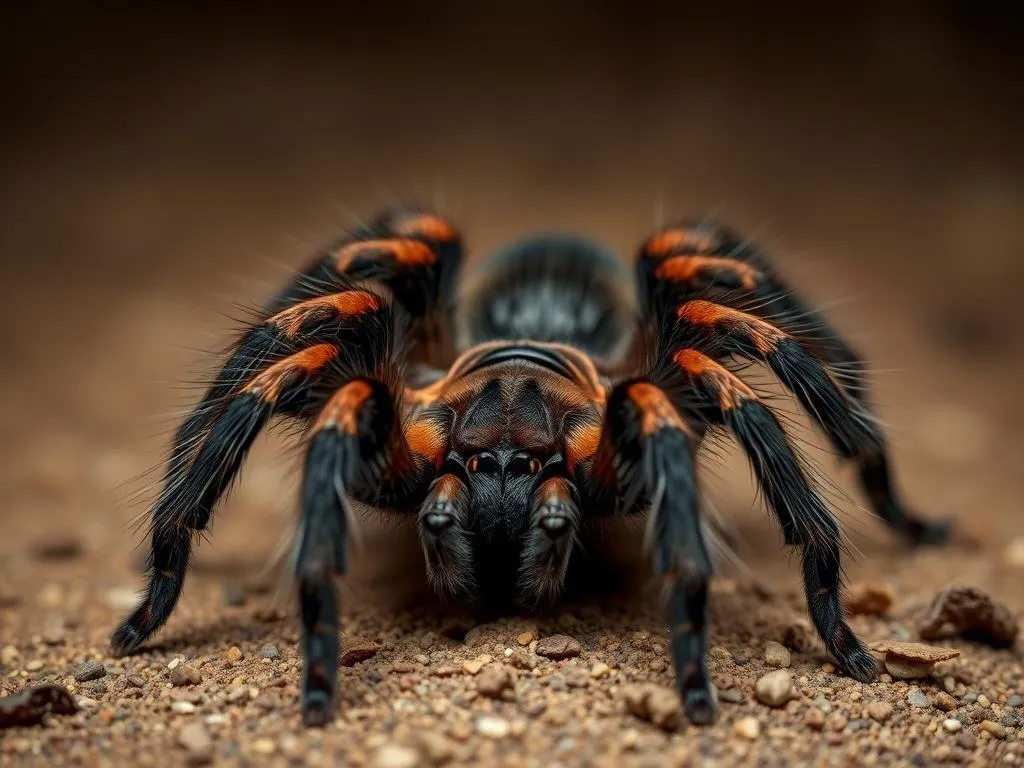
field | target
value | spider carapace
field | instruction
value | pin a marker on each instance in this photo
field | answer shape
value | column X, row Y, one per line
column 504, row 412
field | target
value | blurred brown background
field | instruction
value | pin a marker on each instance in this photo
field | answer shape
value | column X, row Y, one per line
column 160, row 167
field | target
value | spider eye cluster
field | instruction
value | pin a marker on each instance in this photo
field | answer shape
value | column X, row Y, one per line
column 486, row 462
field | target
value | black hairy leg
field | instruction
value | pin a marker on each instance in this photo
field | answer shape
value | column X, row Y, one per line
column 549, row 541
column 645, row 463
column 719, row 397
column 720, row 294
column 355, row 443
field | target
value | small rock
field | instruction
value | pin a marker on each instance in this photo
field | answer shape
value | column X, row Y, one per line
column 264, row 746
column 492, row 726
column 122, row 598
column 575, row 676
column 525, row 639
column 183, row 707
column 9, row 654
column 473, row 666
column 944, row 701
column 1015, row 701
column 197, row 743
column 135, row 681
column 53, row 634
column 438, row 748
column 90, row 670
column 1013, row 555
column 800, row 636
column 836, row 722
column 396, row 756
column 911, row 661
column 952, row 725
column 917, row 698
column 234, row 654
column 494, row 680
column 994, row 729
column 747, row 728
column 879, row 711
column 971, row 614
column 731, row 695
column 775, row 688
column 57, row 547
column 522, row 659
column 182, row 675
column 600, row 670
column 660, row 706
column 558, row 647
column 983, row 701
column 967, row 740
column 357, row 649
column 270, row 651
column 777, row 655
column 814, row 718
column 869, row 599
column 34, row 666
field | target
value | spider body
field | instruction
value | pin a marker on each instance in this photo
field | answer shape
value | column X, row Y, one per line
column 549, row 394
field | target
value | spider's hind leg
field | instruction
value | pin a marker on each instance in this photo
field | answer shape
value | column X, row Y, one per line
column 722, row 295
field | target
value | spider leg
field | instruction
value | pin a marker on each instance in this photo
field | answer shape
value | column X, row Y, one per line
column 354, row 444
column 680, row 268
column 720, row 397
column 645, row 459
column 187, row 501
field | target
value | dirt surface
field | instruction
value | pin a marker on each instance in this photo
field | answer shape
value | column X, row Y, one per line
column 162, row 175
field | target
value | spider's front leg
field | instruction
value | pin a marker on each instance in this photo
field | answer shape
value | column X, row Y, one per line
column 645, row 458
column 357, row 449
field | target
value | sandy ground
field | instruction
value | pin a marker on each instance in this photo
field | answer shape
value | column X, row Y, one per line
column 147, row 200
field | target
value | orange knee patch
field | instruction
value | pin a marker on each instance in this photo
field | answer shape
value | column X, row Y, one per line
column 708, row 314
column 729, row 388
column 692, row 240
column 342, row 410
column 427, row 225
column 656, row 411
column 346, row 304
column 403, row 251
column 269, row 383
column 685, row 268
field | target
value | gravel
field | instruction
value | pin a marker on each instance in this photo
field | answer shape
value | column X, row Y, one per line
column 559, row 647
column 90, row 670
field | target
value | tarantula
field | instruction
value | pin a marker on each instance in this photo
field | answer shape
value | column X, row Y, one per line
column 548, row 396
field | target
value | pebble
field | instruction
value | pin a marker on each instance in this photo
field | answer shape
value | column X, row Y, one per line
column 879, row 711
column 777, row 655
column 1015, row 701
column 492, row 726
column 522, row 659
column 945, row 702
column 494, row 680
column 967, row 740
column 775, row 688
column 995, row 729
column 917, row 698
column 600, row 670
column 183, row 674
column 357, row 649
column 731, row 695
column 396, row 756
column 234, row 654
column 270, row 651
column 437, row 747
column 576, row 676
column 183, row 707
column 54, row 634
column 559, row 647
column 747, row 728
column 90, row 670
column 972, row 614
column 869, row 599
column 525, row 639
column 122, row 598
column 814, row 718
column 264, row 746
column 656, row 704
column 983, row 701
column 197, row 743
column 57, row 547
column 952, row 725
column 9, row 654
column 34, row 666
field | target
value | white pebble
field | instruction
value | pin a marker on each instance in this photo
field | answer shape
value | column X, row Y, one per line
column 952, row 725
column 747, row 728
column 183, row 707
column 492, row 727
column 396, row 756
